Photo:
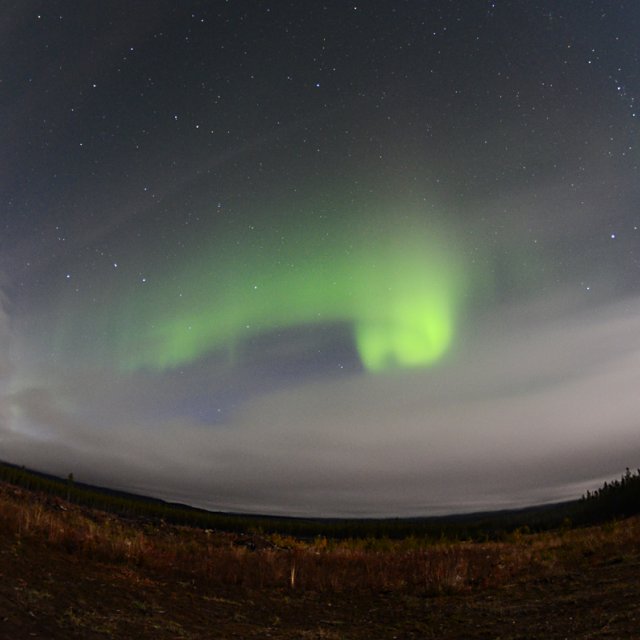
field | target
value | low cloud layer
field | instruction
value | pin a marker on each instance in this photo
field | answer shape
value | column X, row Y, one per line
column 529, row 411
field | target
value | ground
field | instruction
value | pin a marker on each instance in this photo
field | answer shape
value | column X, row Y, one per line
column 51, row 590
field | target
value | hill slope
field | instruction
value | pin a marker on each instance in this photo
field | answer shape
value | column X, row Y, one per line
column 73, row 572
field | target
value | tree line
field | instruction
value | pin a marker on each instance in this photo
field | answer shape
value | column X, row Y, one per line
column 616, row 499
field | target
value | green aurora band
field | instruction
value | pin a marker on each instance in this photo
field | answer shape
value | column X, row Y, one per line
column 398, row 287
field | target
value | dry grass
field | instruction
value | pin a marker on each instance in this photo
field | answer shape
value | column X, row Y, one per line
column 224, row 559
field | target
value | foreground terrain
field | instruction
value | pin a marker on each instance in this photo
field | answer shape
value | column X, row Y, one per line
column 70, row 572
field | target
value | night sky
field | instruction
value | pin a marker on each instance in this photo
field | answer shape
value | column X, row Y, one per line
column 329, row 258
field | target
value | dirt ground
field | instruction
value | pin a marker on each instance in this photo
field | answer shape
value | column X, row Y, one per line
column 50, row 593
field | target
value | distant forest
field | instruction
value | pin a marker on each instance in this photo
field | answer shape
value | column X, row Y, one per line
column 616, row 499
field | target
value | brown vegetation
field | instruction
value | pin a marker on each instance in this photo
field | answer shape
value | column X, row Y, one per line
column 257, row 561
column 349, row 571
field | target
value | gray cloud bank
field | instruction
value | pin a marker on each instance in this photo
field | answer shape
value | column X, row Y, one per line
column 536, row 405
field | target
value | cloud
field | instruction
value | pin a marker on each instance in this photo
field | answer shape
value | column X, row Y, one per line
column 530, row 410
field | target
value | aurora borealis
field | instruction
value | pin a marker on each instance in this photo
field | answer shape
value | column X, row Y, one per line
column 398, row 292
column 326, row 259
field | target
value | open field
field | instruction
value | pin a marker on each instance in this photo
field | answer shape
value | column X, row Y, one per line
column 71, row 572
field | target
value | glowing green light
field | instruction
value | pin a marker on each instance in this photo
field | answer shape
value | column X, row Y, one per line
column 408, row 317
column 417, row 333
column 398, row 285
